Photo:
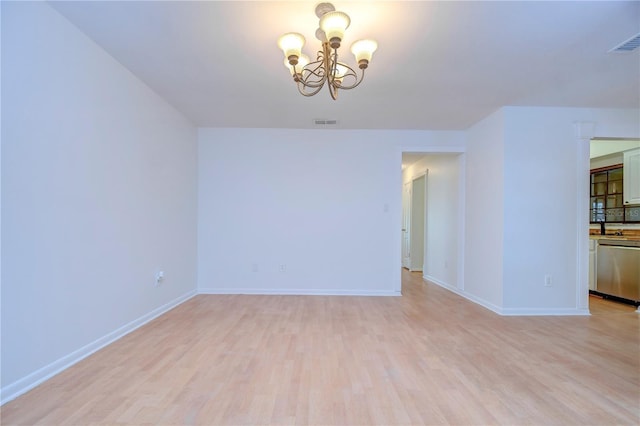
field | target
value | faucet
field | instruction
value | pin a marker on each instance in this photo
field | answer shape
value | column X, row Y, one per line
column 602, row 230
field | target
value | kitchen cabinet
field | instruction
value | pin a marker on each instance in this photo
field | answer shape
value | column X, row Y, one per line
column 607, row 195
column 631, row 182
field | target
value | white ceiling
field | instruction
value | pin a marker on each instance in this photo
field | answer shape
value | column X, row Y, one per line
column 440, row 65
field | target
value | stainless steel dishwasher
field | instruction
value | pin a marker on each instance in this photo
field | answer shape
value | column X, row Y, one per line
column 618, row 269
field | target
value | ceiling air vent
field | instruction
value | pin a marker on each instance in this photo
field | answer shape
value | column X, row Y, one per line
column 628, row 46
column 324, row 122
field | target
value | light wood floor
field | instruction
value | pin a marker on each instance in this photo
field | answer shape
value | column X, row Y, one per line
column 429, row 357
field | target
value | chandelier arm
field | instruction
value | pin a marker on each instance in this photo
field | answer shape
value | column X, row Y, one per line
column 349, row 73
column 314, row 66
column 356, row 84
column 318, row 79
column 317, row 71
column 331, row 66
column 312, row 84
column 333, row 91
column 313, row 76
column 301, row 86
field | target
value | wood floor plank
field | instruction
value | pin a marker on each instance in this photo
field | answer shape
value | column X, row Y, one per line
column 428, row 357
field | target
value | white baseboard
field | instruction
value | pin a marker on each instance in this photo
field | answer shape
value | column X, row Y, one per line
column 438, row 282
column 508, row 311
column 32, row 380
column 543, row 312
column 298, row 292
column 462, row 293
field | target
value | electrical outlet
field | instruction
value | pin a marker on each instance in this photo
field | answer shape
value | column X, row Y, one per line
column 283, row 268
column 254, row 267
column 547, row 281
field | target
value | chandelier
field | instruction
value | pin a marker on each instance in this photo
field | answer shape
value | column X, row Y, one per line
column 310, row 77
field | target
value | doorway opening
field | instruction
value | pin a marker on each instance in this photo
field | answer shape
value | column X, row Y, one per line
column 614, row 221
column 414, row 223
column 432, row 236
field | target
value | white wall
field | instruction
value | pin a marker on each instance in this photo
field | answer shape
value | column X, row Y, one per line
column 527, row 174
column 325, row 203
column 98, row 192
column 484, row 210
column 545, row 195
column 442, row 243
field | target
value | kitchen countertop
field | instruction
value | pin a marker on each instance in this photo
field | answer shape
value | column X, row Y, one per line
column 614, row 237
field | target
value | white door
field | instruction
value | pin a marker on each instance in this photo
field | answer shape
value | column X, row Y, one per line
column 416, row 247
column 406, row 225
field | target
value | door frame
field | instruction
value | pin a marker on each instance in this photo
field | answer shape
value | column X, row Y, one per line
column 397, row 258
column 407, row 191
column 584, row 132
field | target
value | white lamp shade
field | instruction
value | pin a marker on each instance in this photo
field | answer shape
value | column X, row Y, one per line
column 334, row 24
column 303, row 60
column 341, row 70
column 363, row 49
column 291, row 44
